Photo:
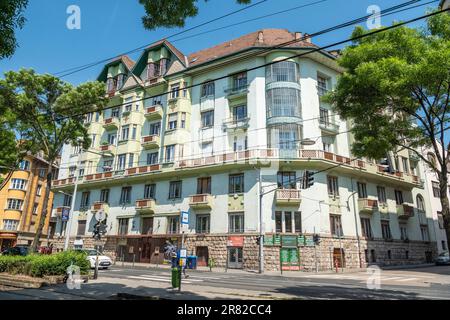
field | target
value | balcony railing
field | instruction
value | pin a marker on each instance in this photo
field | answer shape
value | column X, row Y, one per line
column 111, row 123
column 233, row 124
column 145, row 206
column 288, row 196
column 329, row 126
column 99, row 206
column 405, row 211
column 108, row 149
column 150, row 142
column 367, row 205
column 154, row 112
column 237, row 90
column 201, row 201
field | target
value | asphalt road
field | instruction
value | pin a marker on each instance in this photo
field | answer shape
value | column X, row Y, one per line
column 405, row 284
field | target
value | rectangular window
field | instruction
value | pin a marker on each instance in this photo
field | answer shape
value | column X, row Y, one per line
column 298, row 222
column 236, row 183
column 425, row 235
column 175, row 190
column 336, row 225
column 130, row 160
column 67, row 200
column 436, row 189
column 123, row 226
column 202, row 223
column 152, row 158
column 405, row 164
column 149, row 191
column 155, row 129
column 93, row 138
column 81, row 227
column 112, row 139
column 239, row 112
column 10, row 225
column 236, row 223
column 183, row 120
column 287, row 180
column 15, row 204
column 35, row 208
column 172, row 124
column 322, row 87
column 208, row 89
column 125, row 195
column 125, row 133
column 366, row 228
column 115, row 113
column 104, row 196
column 38, row 190
column 381, row 191
column 85, row 200
column 333, row 186
column 128, row 107
column 240, row 81
column 288, row 221
column 324, row 116
column 204, row 185
column 42, row 173
column 107, row 165
column 207, row 119
column 18, row 184
column 24, row 165
column 398, row 197
column 170, row 153
column 386, row 230
column 134, row 132
column 362, row 190
column 278, row 222
column 403, row 232
column 173, row 225
column 440, row 220
column 175, row 91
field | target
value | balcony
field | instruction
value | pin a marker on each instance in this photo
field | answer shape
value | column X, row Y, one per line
column 154, row 112
column 329, row 126
column 201, row 201
column 107, row 149
column 100, row 206
column 111, row 123
column 367, row 205
column 232, row 124
column 145, row 206
column 405, row 211
column 288, row 197
column 237, row 91
column 151, row 142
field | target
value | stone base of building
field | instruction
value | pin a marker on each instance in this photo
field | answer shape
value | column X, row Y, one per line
column 242, row 251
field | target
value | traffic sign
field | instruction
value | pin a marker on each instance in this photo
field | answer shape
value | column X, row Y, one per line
column 65, row 214
column 183, row 253
column 100, row 215
column 185, row 217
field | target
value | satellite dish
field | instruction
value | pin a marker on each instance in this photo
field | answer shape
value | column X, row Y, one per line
column 100, row 215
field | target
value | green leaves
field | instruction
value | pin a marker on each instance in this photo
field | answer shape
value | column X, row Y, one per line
column 11, row 18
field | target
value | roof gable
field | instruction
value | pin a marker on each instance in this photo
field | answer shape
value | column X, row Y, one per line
column 125, row 60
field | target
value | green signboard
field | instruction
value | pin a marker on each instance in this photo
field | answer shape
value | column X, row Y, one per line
column 289, row 241
column 305, row 241
column 277, row 239
column 268, row 240
column 289, row 259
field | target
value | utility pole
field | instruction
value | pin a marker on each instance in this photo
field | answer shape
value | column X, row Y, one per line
column 261, row 234
column 72, row 206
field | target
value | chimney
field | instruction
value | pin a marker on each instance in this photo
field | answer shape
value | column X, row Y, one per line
column 307, row 38
column 298, row 35
column 261, row 37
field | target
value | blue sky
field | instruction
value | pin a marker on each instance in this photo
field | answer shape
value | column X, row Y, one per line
column 110, row 27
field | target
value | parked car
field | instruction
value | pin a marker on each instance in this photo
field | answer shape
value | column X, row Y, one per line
column 104, row 262
column 16, row 251
column 443, row 259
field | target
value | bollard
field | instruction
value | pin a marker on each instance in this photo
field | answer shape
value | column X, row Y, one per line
column 134, row 259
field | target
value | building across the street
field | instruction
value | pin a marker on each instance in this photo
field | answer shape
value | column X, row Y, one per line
column 175, row 141
column 21, row 201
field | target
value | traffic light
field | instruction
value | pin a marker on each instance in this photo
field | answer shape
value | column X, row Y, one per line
column 258, row 240
column 308, row 179
column 316, row 239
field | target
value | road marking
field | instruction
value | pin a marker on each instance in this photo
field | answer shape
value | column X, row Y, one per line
column 165, row 279
column 391, row 278
column 407, row 279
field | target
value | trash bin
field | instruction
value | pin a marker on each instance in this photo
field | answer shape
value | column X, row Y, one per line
column 192, row 262
column 175, row 278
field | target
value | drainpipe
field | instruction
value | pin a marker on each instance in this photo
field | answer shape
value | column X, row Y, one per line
column 356, row 223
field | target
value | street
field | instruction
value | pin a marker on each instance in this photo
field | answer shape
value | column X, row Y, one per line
column 138, row 283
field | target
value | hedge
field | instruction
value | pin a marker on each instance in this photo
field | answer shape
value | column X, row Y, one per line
column 44, row 265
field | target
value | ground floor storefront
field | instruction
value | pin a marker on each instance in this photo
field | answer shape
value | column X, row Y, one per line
column 7, row 240
column 281, row 252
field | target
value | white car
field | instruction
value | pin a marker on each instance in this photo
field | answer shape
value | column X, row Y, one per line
column 104, row 262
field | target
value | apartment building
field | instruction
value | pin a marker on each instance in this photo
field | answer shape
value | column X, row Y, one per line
column 21, row 202
column 176, row 141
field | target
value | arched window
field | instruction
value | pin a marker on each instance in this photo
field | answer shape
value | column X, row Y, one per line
column 420, row 203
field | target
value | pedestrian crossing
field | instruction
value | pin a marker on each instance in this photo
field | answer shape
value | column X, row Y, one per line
column 365, row 277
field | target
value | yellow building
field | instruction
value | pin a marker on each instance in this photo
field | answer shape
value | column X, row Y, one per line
column 21, row 201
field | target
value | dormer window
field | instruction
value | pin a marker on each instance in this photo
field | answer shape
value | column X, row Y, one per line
column 157, row 69
column 115, row 83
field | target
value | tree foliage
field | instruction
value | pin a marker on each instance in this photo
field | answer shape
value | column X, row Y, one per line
column 163, row 13
column 395, row 90
column 48, row 113
column 11, row 18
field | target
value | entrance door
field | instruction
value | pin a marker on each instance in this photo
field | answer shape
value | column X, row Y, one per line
column 202, row 256
column 235, row 258
column 146, row 252
column 338, row 258
column 147, row 226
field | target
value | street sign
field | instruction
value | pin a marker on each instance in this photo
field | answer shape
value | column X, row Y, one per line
column 100, row 215
column 185, row 217
column 65, row 214
column 183, row 253
column 289, row 241
column 268, row 240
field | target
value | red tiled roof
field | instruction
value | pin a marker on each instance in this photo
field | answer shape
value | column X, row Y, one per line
column 175, row 51
column 261, row 38
column 129, row 63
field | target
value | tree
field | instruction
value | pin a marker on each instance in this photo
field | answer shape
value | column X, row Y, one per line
column 11, row 18
column 48, row 114
column 395, row 91
column 163, row 13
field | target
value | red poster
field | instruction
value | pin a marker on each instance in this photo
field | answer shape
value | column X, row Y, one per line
column 235, row 241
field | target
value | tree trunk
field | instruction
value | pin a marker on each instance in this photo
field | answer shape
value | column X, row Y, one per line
column 44, row 211
column 443, row 188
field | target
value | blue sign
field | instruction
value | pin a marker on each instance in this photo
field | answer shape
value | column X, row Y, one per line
column 65, row 214
column 185, row 217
